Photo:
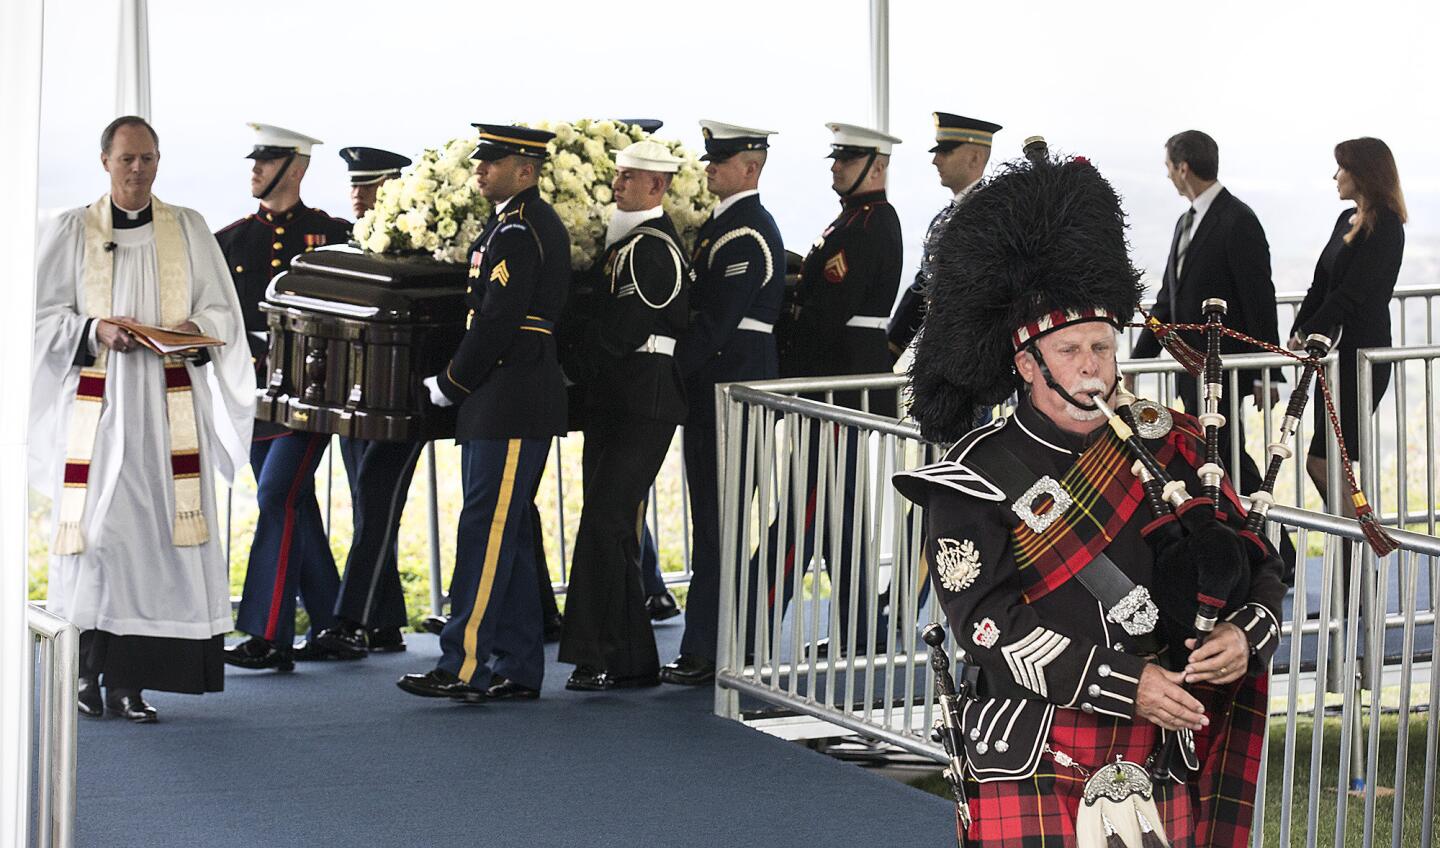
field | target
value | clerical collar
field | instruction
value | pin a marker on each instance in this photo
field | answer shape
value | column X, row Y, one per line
column 1039, row 427
column 724, row 205
column 271, row 216
column 126, row 219
column 851, row 201
column 621, row 223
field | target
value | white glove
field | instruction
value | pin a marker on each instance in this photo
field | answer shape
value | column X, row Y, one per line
column 437, row 397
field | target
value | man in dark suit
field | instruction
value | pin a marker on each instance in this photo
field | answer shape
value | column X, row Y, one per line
column 1219, row 250
column 737, row 283
column 506, row 379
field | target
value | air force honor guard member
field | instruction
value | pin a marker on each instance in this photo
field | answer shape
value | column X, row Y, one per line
column 623, row 357
column 511, row 392
column 289, row 552
column 370, row 611
column 737, row 278
column 962, row 149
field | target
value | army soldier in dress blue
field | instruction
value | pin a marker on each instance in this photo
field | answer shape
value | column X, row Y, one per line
column 848, row 282
column 289, row 552
column 962, row 149
column 737, row 278
column 623, row 358
column 371, row 608
column 507, row 381
column 1057, row 581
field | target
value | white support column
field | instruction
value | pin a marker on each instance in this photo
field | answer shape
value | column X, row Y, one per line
column 21, row 45
column 880, row 64
column 132, row 60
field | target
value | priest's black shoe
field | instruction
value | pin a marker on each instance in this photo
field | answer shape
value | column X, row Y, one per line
column 439, row 683
column 505, row 689
column 554, row 627
column 662, row 606
column 346, row 641
column 87, row 694
column 385, row 640
column 257, row 653
column 128, row 704
column 434, row 623
column 688, row 670
column 587, row 679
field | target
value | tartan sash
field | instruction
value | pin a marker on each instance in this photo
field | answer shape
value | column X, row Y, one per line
column 1105, row 494
column 98, row 278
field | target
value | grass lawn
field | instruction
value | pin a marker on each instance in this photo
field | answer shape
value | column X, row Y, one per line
column 1328, row 798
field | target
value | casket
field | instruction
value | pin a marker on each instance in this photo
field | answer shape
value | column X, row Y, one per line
column 351, row 337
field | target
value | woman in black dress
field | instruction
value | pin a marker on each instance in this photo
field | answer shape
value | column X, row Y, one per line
column 1349, row 300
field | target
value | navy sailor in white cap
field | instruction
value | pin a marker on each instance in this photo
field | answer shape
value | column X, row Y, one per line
column 737, row 277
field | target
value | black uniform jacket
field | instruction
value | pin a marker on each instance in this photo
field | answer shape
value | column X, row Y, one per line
column 1354, row 295
column 639, row 305
column 910, row 312
column 1229, row 258
column 852, row 272
column 737, row 272
column 261, row 245
column 1058, row 650
column 505, row 375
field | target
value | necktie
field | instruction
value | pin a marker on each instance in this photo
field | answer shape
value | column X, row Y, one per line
column 1187, row 222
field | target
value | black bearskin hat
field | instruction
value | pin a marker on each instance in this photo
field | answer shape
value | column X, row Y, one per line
column 1038, row 246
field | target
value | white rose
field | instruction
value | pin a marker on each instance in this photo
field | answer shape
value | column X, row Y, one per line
column 378, row 243
column 603, row 194
column 447, row 228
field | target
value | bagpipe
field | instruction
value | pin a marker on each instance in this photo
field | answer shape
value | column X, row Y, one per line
column 951, row 693
column 1204, row 552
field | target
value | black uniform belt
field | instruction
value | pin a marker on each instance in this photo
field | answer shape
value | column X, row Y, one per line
column 537, row 324
column 1125, row 603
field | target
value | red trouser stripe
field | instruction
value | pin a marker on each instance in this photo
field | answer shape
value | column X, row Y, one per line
column 799, row 537
column 279, row 594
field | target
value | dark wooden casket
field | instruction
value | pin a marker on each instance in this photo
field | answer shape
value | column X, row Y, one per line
column 352, row 335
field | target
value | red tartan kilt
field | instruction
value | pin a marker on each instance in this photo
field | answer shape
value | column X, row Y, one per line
column 1039, row 811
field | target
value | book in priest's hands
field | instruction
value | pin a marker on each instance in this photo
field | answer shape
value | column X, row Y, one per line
column 164, row 341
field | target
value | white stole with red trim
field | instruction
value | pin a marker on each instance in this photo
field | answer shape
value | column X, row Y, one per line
column 173, row 264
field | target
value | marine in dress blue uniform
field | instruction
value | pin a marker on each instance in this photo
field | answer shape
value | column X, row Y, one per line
column 737, row 274
column 836, row 326
column 506, row 379
column 289, row 553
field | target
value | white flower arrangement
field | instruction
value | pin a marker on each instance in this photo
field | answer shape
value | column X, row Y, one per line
column 437, row 208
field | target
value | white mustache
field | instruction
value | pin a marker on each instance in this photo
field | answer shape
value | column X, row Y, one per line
column 1085, row 389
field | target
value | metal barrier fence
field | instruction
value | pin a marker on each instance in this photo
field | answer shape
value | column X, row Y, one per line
column 807, row 484
column 54, row 672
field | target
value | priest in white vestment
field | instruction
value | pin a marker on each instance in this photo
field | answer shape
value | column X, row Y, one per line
column 129, row 442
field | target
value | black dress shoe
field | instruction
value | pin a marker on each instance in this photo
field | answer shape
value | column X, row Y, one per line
column 434, row 623
column 505, row 689
column 554, row 627
column 822, row 647
column 129, row 705
column 688, row 670
column 662, row 606
column 257, row 653
column 439, row 683
column 587, row 679
column 343, row 641
column 306, row 650
column 87, row 696
column 385, row 640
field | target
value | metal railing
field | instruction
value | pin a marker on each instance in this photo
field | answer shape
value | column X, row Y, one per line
column 788, row 459
column 54, row 672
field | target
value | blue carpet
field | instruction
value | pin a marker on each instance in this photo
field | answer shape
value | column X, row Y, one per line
column 335, row 754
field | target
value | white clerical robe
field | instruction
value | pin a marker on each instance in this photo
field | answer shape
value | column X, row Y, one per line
column 131, row 580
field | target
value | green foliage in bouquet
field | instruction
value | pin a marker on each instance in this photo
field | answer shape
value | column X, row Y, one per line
column 436, row 207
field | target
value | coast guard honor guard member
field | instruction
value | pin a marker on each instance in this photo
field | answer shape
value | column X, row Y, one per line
column 507, row 381
column 623, row 359
column 371, row 608
column 1049, row 565
column 289, row 552
column 962, row 149
column 737, row 275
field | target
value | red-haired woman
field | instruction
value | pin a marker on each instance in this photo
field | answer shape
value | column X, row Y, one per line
column 1349, row 300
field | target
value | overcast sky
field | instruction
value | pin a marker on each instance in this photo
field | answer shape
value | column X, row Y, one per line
column 1277, row 84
